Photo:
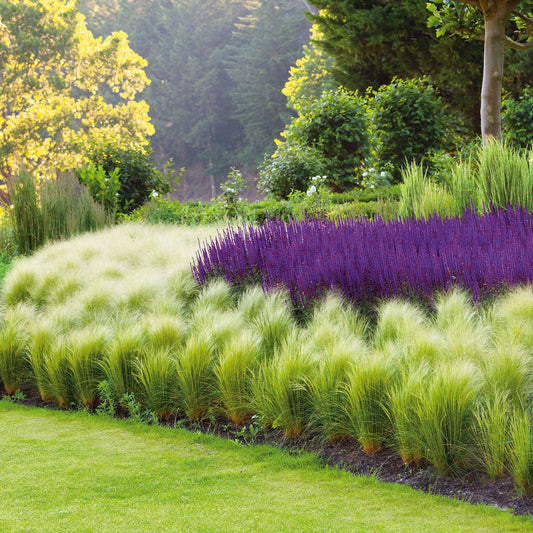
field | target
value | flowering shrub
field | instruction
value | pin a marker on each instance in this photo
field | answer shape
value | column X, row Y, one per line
column 373, row 260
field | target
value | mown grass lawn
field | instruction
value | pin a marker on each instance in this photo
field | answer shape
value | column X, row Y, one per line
column 73, row 472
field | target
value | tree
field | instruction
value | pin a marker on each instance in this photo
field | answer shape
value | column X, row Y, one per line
column 496, row 16
column 311, row 76
column 63, row 91
column 268, row 40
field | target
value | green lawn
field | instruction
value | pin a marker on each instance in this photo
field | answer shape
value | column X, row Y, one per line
column 73, row 472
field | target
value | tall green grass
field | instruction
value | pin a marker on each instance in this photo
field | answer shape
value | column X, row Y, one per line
column 498, row 175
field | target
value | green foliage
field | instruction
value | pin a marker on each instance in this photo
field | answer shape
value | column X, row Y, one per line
column 516, row 119
column 290, row 168
column 231, row 190
column 311, row 76
column 62, row 90
column 103, row 188
column 138, row 179
column 337, row 126
column 409, row 121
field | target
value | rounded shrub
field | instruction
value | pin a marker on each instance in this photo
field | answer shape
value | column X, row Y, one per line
column 335, row 128
column 290, row 168
column 516, row 119
column 137, row 175
column 409, row 121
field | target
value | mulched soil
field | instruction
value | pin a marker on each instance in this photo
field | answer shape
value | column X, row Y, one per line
column 385, row 465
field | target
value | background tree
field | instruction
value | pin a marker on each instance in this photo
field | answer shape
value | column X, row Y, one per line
column 62, row 90
column 311, row 76
column 217, row 69
column 373, row 41
column 268, row 40
column 498, row 16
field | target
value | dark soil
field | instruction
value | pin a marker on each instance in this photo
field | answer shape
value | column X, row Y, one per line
column 385, row 465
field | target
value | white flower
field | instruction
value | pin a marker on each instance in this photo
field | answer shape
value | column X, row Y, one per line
column 372, row 186
column 383, row 174
column 229, row 190
column 155, row 194
column 311, row 190
column 365, row 174
column 314, row 178
column 371, row 170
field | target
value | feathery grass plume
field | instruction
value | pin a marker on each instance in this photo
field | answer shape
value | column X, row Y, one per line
column 328, row 388
column 398, row 321
column 14, row 339
column 280, row 389
column 234, row 372
column 463, row 332
column 157, row 376
column 367, row 393
column 504, row 177
column 274, row 324
column 506, row 369
column 413, row 186
column 196, row 378
column 126, row 348
column 60, row 372
column 251, row 303
column 520, row 450
column 404, row 405
column 512, row 317
column 447, row 415
column 164, row 332
column 87, row 350
column 97, row 304
column 492, row 433
column 18, row 284
column 332, row 320
column 216, row 295
column 43, row 336
column 183, row 287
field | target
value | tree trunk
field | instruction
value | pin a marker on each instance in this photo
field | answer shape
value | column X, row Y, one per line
column 491, row 91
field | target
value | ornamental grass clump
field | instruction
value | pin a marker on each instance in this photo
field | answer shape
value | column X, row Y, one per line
column 234, row 371
column 196, row 376
column 492, row 433
column 447, row 415
column 367, row 393
column 14, row 365
column 280, row 390
column 156, row 373
column 371, row 261
column 87, row 349
column 404, row 401
column 328, row 388
column 520, row 450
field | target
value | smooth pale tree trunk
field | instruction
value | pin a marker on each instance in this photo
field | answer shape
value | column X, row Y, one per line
column 496, row 14
column 491, row 90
